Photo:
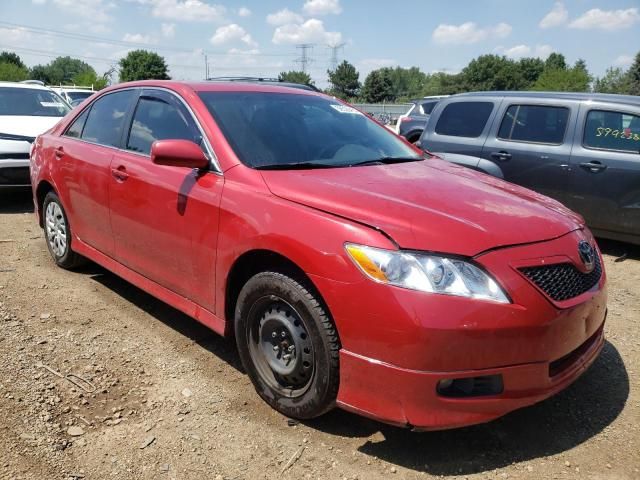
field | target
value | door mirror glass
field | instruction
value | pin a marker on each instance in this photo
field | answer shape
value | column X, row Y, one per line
column 178, row 153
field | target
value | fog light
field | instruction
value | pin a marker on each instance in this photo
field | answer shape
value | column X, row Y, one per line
column 470, row 386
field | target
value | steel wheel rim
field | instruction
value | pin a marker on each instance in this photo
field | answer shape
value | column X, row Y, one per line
column 56, row 227
column 280, row 346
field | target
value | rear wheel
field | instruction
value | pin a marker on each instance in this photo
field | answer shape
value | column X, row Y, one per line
column 288, row 345
column 58, row 233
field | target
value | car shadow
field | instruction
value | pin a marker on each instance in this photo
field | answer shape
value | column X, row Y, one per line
column 621, row 250
column 222, row 347
column 553, row 426
column 16, row 200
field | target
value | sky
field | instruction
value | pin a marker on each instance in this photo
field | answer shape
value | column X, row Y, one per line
column 260, row 37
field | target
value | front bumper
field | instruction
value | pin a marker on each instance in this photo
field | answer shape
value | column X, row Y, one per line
column 14, row 173
column 398, row 344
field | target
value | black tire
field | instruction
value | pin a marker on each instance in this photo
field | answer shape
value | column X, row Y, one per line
column 269, row 305
column 64, row 257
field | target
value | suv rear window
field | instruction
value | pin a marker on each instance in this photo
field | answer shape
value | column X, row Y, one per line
column 464, row 119
column 534, row 124
column 612, row 131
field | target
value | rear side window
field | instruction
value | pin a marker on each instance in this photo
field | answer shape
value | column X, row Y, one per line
column 612, row 131
column 155, row 119
column 427, row 107
column 75, row 130
column 534, row 124
column 464, row 119
column 106, row 119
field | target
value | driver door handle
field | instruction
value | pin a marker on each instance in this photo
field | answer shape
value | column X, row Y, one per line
column 501, row 155
column 594, row 166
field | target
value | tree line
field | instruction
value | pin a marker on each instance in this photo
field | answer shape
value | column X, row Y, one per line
column 486, row 72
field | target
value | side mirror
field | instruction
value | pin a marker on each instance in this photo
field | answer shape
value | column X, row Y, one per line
column 178, row 153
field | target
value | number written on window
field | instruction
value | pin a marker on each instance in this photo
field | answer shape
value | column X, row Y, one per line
column 609, row 130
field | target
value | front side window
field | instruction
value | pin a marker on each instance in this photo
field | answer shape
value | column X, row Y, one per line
column 612, row 131
column 31, row 102
column 534, row 124
column 464, row 119
column 155, row 119
column 106, row 119
column 268, row 130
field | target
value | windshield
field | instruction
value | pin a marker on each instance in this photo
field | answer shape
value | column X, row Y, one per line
column 79, row 95
column 31, row 102
column 278, row 130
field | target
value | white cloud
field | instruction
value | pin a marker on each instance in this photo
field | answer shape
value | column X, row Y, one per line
column 186, row 10
column 244, row 12
column 606, row 19
column 556, row 17
column 168, row 30
column 94, row 10
column 232, row 33
column 39, row 2
column 138, row 38
column 623, row 60
column 322, row 7
column 311, row 31
column 468, row 33
column 520, row 51
column 14, row 36
column 284, row 17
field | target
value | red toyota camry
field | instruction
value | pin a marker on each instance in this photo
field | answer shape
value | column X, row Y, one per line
column 352, row 269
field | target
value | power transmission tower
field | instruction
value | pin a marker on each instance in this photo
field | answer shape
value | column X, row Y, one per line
column 335, row 48
column 304, row 59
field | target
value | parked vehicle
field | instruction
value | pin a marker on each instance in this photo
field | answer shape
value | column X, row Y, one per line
column 581, row 149
column 74, row 93
column 411, row 124
column 351, row 269
column 26, row 110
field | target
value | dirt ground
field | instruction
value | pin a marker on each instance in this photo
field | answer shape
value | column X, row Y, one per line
column 172, row 402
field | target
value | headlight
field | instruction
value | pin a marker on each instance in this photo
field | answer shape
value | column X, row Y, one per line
column 427, row 273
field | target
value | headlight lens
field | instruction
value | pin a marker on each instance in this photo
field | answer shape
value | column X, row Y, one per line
column 427, row 273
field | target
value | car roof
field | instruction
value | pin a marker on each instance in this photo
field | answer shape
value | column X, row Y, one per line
column 31, row 86
column 576, row 96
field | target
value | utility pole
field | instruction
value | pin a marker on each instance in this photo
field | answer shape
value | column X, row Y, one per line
column 304, row 58
column 333, row 62
column 206, row 67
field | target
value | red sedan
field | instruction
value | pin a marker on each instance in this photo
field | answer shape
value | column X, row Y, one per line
column 352, row 269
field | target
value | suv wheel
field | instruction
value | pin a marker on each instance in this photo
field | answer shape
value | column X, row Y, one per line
column 288, row 345
column 58, row 233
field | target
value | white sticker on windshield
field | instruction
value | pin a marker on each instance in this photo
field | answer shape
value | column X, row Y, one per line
column 52, row 104
column 345, row 109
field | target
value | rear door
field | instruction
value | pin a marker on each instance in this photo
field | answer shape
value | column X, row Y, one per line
column 165, row 218
column 459, row 125
column 84, row 156
column 605, row 168
column 530, row 142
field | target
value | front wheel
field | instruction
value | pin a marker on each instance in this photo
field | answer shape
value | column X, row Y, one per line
column 57, row 233
column 288, row 345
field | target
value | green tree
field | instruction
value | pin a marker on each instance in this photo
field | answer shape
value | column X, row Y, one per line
column 61, row 71
column 615, row 80
column 444, row 84
column 633, row 76
column 91, row 79
column 344, row 81
column 143, row 65
column 10, row 72
column 563, row 80
column 377, row 87
column 555, row 61
column 294, row 76
column 530, row 70
column 493, row 72
column 13, row 58
column 406, row 83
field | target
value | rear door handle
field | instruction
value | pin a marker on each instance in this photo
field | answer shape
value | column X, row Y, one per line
column 594, row 166
column 502, row 155
column 120, row 173
column 59, row 153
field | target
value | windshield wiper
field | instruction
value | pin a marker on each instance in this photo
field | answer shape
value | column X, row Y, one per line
column 387, row 161
column 294, row 166
column 18, row 138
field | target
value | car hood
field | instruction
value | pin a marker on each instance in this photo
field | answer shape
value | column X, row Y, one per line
column 431, row 205
column 28, row 126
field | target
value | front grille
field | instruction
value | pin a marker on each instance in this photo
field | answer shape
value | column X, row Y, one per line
column 563, row 281
column 14, row 156
column 14, row 176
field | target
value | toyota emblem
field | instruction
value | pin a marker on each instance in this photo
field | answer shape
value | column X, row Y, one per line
column 587, row 255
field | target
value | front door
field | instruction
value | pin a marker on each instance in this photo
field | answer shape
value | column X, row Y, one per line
column 165, row 218
column 605, row 169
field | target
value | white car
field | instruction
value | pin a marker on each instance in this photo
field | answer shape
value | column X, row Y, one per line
column 26, row 111
column 74, row 95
